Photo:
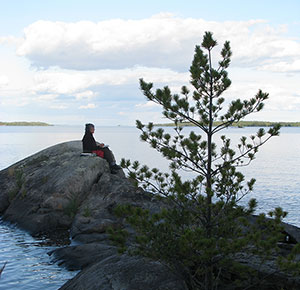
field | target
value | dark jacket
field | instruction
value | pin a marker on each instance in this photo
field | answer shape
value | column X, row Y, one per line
column 89, row 143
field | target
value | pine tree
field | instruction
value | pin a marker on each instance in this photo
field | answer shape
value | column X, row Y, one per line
column 202, row 233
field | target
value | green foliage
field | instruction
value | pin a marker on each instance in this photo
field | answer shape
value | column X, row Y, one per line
column 19, row 183
column 72, row 207
column 23, row 193
column 45, row 179
column 202, row 232
column 19, row 178
column 87, row 212
column 13, row 193
column 37, row 160
column 118, row 237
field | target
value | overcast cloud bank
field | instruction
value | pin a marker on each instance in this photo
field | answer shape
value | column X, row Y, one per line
column 95, row 66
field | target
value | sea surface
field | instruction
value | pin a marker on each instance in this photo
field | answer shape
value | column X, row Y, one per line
column 276, row 170
column 28, row 267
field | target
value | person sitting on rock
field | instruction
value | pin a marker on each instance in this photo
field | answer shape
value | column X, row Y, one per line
column 90, row 145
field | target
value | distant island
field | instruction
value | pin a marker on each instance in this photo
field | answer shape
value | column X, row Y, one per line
column 242, row 124
column 24, row 124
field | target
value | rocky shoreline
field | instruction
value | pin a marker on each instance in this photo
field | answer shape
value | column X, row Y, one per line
column 58, row 190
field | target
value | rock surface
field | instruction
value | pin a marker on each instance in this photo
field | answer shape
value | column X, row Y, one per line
column 123, row 272
column 41, row 193
column 57, row 189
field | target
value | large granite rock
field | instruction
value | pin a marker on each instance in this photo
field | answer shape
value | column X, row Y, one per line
column 58, row 189
column 42, row 193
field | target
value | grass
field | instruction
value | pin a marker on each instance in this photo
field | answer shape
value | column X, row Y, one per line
column 19, row 183
column 23, row 193
column 13, row 193
column 87, row 212
column 45, row 179
column 11, row 171
column 37, row 160
column 72, row 207
column 19, row 178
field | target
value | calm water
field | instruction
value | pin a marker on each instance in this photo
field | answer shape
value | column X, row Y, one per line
column 275, row 169
column 28, row 265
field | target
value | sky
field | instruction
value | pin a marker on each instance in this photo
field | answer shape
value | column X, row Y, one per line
column 75, row 62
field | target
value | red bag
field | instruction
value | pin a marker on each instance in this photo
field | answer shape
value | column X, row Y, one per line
column 99, row 153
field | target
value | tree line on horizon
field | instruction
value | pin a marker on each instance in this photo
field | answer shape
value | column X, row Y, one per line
column 240, row 124
column 24, row 124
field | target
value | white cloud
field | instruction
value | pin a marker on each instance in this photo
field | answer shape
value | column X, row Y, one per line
column 60, row 82
column 88, row 106
column 10, row 40
column 81, row 84
column 3, row 81
column 80, row 60
column 283, row 66
column 163, row 41
column 59, row 107
column 283, row 91
column 145, row 117
column 47, row 97
column 85, row 95
column 21, row 102
column 148, row 104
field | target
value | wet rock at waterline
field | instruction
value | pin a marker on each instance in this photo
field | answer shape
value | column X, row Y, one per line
column 125, row 273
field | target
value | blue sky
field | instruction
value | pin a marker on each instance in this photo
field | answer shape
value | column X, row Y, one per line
column 72, row 62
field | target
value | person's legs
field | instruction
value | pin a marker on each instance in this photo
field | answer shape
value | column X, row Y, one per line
column 110, row 158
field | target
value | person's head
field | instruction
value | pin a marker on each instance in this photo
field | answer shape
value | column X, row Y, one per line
column 89, row 128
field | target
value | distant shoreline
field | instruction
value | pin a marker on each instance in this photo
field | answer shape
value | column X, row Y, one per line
column 240, row 124
column 24, row 124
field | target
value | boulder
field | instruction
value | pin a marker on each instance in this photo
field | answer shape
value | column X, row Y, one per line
column 43, row 192
column 96, row 212
column 125, row 273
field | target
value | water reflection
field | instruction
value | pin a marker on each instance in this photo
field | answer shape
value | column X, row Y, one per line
column 28, row 265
